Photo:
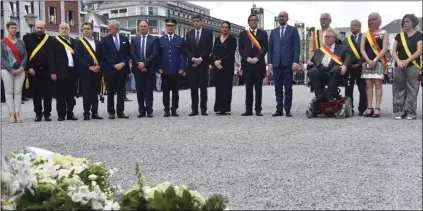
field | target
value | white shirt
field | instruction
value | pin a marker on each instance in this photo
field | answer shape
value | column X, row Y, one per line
column 282, row 30
column 91, row 42
column 144, row 40
column 69, row 54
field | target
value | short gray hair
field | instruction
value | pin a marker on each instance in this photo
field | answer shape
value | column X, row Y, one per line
column 326, row 14
column 357, row 22
column 333, row 31
column 115, row 22
column 40, row 22
column 378, row 17
column 64, row 24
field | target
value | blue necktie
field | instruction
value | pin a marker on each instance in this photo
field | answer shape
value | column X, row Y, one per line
column 116, row 42
column 142, row 48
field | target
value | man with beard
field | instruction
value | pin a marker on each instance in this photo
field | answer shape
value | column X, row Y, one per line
column 63, row 73
column 38, row 47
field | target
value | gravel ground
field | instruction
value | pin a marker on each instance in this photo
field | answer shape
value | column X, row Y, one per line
column 256, row 162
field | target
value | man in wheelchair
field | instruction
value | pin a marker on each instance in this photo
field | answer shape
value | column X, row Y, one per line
column 328, row 66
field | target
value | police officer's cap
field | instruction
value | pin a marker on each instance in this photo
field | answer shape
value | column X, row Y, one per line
column 170, row 21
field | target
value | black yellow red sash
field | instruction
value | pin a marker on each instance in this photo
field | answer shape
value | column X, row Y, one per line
column 253, row 40
column 353, row 48
column 316, row 40
column 375, row 47
column 332, row 55
column 65, row 45
column 89, row 51
column 407, row 50
column 41, row 44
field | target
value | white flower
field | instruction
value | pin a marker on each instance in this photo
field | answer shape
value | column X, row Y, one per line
column 77, row 169
column 149, row 193
column 83, row 190
column 96, row 205
column 93, row 177
column 163, row 187
column 116, row 206
column 198, row 197
column 76, row 197
column 63, row 173
column 179, row 191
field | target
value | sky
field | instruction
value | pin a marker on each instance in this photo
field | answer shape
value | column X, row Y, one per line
column 309, row 12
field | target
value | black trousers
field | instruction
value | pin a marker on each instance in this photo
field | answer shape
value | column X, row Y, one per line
column 355, row 78
column 170, row 82
column 321, row 76
column 65, row 94
column 253, row 81
column 42, row 87
column 144, row 83
column 199, row 78
column 90, row 90
column 116, row 83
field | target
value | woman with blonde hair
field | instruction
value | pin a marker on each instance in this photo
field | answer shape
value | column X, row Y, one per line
column 13, row 63
column 407, row 50
column 374, row 45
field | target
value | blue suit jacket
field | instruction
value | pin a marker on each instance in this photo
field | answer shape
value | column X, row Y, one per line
column 284, row 52
column 84, row 60
column 111, row 56
column 151, row 53
column 172, row 58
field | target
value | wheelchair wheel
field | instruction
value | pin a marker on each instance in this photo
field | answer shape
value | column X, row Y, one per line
column 348, row 107
column 309, row 113
column 340, row 114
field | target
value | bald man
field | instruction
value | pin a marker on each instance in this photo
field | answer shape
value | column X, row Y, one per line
column 63, row 73
column 37, row 46
column 318, row 40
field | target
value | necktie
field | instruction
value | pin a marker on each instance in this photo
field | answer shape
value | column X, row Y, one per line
column 170, row 38
column 355, row 37
column 116, row 42
column 282, row 32
column 197, row 38
column 142, row 48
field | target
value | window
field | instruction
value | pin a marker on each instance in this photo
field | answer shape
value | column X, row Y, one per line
column 53, row 15
column 14, row 10
column 150, row 11
column 29, row 7
column 71, row 18
column 152, row 23
column 114, row 13
column 122, row 12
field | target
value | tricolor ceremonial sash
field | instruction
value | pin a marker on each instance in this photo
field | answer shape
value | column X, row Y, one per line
column 13, row 48
column 407, row 50
column 375, row 47
column 65, row 44
column 89, row 51
column 332, row 55
column 41, row 44
column 253, row 39
column 316, row 40
column 353, row 48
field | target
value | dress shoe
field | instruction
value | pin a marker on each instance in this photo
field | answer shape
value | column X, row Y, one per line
column 86, row 117
column 72, row 118
column 111, row 116
column 278, row 113
column 258, row 113
column 95, row 116
column 204, row 114
column 38, row 118
column 288, row 114
column 221, row 113
column 166, row 114
column 47, row 118
column 122, row 116
column 61, row 118
column 150, row 115
column 141, row 115
column 175, row 114
column 247, row 114
column 194, row 113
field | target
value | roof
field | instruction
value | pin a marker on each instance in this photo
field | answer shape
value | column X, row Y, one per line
column 395, row 26
column 102, row 19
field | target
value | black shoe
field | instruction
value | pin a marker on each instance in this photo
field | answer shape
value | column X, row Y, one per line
column 278, row 113
column 258, row 113
column 150, row 115
column 288, row 114
column 86, row 117
column 204, row 113
column 141, row 115
column 221, row 113
column 111, row 116
column 47, row 118
column 361, row 113
column 247, row 114
column 175, row 114
column 61, row 118
column 194, row 113
column 166, row 114
column 38, row 118
column 122, row 116
column 95, row 116
column 72, row 118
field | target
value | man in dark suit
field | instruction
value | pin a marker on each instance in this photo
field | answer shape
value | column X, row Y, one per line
column 63, row 72
column 88, row 55
column 354, row 71
column 38, row 65
column 199, row 44
column 171, row 64
column 116, row 53
column 144, row 55
column 252, row 46
column 283, row 58
column 329, row 62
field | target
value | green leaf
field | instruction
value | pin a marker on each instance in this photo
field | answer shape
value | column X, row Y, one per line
column 186, row 197
column 170, row 193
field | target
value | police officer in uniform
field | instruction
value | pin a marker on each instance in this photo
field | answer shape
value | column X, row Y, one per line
column 171, row 65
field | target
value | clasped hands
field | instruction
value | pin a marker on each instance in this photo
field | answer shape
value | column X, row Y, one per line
column 119, row 66
column 294, row 67
column 402, row 64
column 141, row 66
column 218, row 64
column 196, row 62
column 16, row 72
column 94, row 68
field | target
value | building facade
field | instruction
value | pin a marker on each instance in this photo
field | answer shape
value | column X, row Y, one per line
column 50, row 12
column 129, row 15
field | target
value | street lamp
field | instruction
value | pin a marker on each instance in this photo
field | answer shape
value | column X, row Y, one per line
column 30, row 19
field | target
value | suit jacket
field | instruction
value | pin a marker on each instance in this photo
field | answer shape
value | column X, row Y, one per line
column 112, row 56
column 340, row 50
column 203, row 50
column 357, row 47
column 151, row 53
column 246, row 50
column 171, row 54
column 84, row 60
column 59, row 62
column 285, row 51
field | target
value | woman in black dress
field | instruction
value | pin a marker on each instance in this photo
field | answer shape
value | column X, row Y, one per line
column 224, row 60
